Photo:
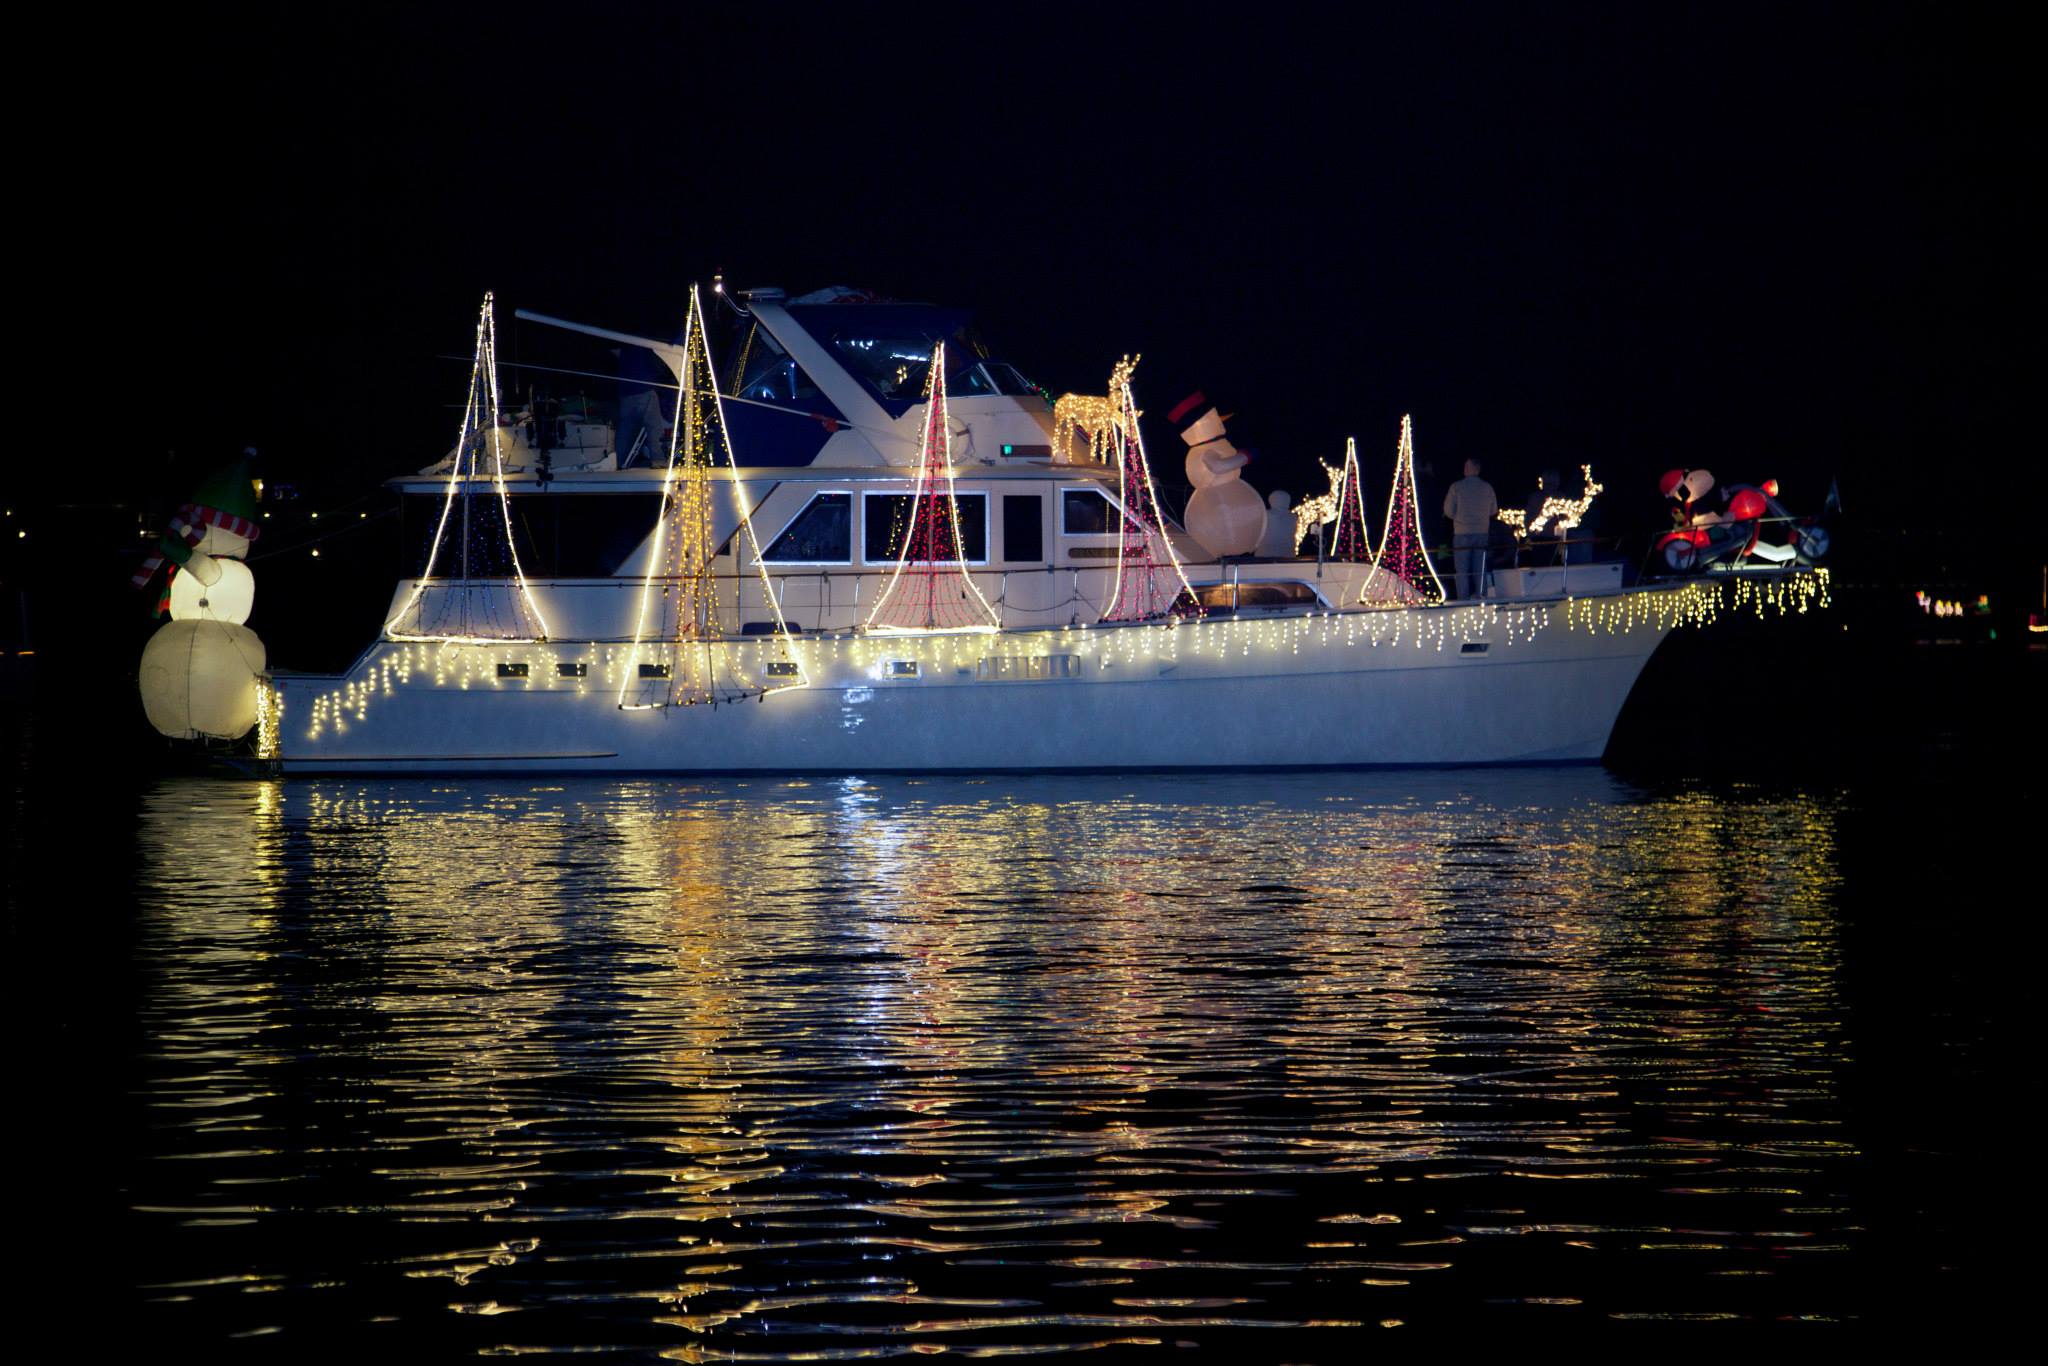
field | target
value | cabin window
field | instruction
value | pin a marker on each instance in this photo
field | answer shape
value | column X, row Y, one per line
column 558, row 535
column 512, row 670
column 594, row 534
column 821, row 534
column 886, row 525
column 1224, row 598
column 579, row 669
column 1023, row 527
column 894, row 366
column 773, row 378
column 1088, row 512
column 1007, row 380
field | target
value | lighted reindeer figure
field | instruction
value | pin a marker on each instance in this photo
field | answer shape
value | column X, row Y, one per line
column 1091, row 413
column 1320, row 510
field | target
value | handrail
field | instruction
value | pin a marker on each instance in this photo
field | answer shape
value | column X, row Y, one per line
column 827, row 577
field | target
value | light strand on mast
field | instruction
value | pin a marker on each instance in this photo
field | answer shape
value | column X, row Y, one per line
column 936, row 443
column 462, row 474
column 1144, row 509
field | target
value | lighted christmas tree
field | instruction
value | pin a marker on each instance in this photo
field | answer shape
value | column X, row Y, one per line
column 678, row 659
column 931, row 589
column 1402, row 574
column 1353, row 541
column 1144, row 588
column 472, row 588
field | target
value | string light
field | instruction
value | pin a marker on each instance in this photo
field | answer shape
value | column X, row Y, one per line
column 269, row 718
column 1313, row 512
column 1139, row 591
column 682, row 529
column 482, row 402
column 793, row 672
column 1343, row 504
column 1309, row 641
column 1564, row 513
column 687, row 640
column 1403, row 554
column 932, row 540
column 1094, row 414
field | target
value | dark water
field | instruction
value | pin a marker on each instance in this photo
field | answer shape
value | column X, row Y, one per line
column 1265, row 1065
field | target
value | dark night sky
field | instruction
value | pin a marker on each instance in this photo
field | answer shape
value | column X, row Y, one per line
column 1769, row 243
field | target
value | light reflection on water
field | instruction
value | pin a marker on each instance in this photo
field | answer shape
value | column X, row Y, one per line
column 775, row 1068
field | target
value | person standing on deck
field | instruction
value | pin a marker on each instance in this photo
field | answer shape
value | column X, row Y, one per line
column 1471, row 507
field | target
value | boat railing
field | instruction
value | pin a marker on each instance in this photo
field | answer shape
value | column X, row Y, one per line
column 817, row 601
column 828, row 589
column 810, row 598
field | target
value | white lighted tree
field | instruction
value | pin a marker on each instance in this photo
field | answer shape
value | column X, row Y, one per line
column 473, row 588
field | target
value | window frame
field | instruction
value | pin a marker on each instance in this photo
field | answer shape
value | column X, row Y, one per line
column 852, row 535
column 911, row 492
column 1117, row 515
column 1037, row 496
column 1315, row 601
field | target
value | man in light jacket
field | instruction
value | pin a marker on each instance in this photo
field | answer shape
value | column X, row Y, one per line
column 1471, row 506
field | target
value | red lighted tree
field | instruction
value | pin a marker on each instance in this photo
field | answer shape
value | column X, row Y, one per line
column 1144, row 587
column 931, row 589
column 1403, row 575
column 1353, row 541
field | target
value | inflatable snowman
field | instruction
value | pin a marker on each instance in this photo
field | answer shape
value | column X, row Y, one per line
column 200, row 671
column 1225, row 514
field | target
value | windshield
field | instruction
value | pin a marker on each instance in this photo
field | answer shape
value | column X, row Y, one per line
column 889, row 348
column 893, row 366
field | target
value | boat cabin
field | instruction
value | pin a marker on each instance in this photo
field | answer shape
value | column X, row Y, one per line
column 823, row 404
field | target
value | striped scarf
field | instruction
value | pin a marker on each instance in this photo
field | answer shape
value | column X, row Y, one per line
column 187, row 530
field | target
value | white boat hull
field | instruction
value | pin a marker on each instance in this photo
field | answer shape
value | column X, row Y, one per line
column 1486, row 684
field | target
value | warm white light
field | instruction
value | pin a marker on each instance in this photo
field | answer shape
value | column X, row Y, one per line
column 1328, row 506
column 698, row 378
column 935, row 419
column 1127, row 431
column 1566, row 513
column 1404, row 470
column 483, row 380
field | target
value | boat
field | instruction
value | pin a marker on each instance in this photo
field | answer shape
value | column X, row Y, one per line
column 864, row 542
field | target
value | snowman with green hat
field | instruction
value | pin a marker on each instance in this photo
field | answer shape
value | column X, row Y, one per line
column 201, row 671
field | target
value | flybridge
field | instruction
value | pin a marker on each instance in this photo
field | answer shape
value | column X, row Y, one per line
column 831, row 544
column 837, row 377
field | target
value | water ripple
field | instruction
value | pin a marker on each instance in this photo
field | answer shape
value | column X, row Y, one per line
column 767, row 1071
